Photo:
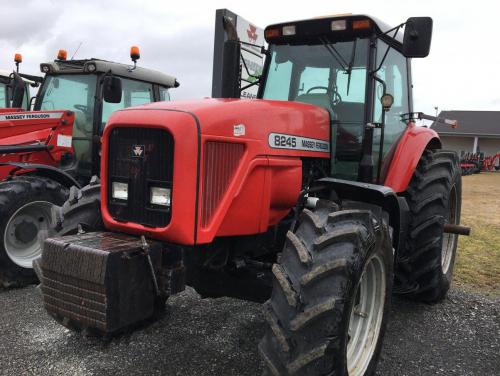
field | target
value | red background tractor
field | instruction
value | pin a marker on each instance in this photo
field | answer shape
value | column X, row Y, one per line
column 47, row 151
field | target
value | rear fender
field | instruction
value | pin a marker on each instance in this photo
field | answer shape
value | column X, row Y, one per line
column 412, row 144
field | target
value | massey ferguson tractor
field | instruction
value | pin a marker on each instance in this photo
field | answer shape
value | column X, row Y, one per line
column 43, row 153
column 320, row 198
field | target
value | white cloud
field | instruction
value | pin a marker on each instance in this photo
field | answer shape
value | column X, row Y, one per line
column 177, row 38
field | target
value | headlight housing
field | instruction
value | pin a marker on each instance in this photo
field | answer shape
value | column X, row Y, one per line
column 159, row 196
column 119, row 190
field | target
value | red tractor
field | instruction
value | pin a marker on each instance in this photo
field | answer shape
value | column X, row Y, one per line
column 316, row 199
column 45, row 152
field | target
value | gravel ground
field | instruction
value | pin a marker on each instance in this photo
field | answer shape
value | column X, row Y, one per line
column 219, row 337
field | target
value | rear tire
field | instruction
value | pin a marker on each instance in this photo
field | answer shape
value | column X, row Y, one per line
column 425, row 263
column 25, row 211
column 320, row 281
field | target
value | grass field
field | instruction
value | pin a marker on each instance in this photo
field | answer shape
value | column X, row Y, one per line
column 478, row 260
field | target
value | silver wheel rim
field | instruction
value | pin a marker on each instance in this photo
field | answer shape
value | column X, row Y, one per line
column 449, row 240
column 26, row 231
column 366, row 316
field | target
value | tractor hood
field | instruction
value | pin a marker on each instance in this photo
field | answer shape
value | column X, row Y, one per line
column 242, row 119
column 224, row 166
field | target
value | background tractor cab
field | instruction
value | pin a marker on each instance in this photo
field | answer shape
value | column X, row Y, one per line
column 93, row 89
column 15, row 87
column 355, row 67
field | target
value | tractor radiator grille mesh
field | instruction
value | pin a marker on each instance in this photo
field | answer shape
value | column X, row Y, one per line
column 220, row 161
column 151, row 167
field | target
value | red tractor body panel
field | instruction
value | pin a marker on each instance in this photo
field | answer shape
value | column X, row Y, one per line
column 409, row 150
column 240, row 159
column 9, row 110
column 51, row 128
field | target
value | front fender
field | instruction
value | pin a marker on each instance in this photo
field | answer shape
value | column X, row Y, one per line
column 410, row 148
column 47, row 171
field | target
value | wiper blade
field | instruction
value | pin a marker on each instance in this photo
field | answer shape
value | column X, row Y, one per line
column 351, row 63
column 335, row 54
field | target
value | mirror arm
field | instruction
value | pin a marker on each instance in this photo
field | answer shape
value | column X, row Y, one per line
column 388, row 31
column 388, row 47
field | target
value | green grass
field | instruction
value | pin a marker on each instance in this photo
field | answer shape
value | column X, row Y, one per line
column 478, row 260
column 477, row 266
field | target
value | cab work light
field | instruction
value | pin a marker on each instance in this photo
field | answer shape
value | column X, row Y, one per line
column 45, row 68
column 90, row 67
column 288, row 30
column 338, row 25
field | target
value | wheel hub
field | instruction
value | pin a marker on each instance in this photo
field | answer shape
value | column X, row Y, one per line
column 366, row 317
column 450, row 240
column 26, row 230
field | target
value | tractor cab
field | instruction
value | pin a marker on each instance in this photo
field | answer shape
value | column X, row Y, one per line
column 8, row 84
column 347, row 65
column 354, row 67
column 93, row 89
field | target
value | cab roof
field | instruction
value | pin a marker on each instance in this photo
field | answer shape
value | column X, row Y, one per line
column 118, row 69
column 6, row 73
column 321, row 26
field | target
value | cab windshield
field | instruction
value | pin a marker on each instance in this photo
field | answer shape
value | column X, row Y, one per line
column 328, row 75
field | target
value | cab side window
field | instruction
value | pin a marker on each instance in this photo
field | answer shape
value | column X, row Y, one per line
column 164, row 94
column 394, row 73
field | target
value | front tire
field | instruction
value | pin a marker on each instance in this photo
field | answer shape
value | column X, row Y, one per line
column 26, row 219
column 331, row 295
column 82, row 208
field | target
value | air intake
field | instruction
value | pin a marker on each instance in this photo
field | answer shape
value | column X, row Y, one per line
column 220, row 161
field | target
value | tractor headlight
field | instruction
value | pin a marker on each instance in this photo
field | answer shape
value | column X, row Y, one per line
column 160, row 196
column 119, row 190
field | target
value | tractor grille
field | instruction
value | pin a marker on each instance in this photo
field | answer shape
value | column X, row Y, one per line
column 220, row 161
column 142, row 158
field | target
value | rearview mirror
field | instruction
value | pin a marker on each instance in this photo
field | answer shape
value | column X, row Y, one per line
column 417, row 37
column 112, row 89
